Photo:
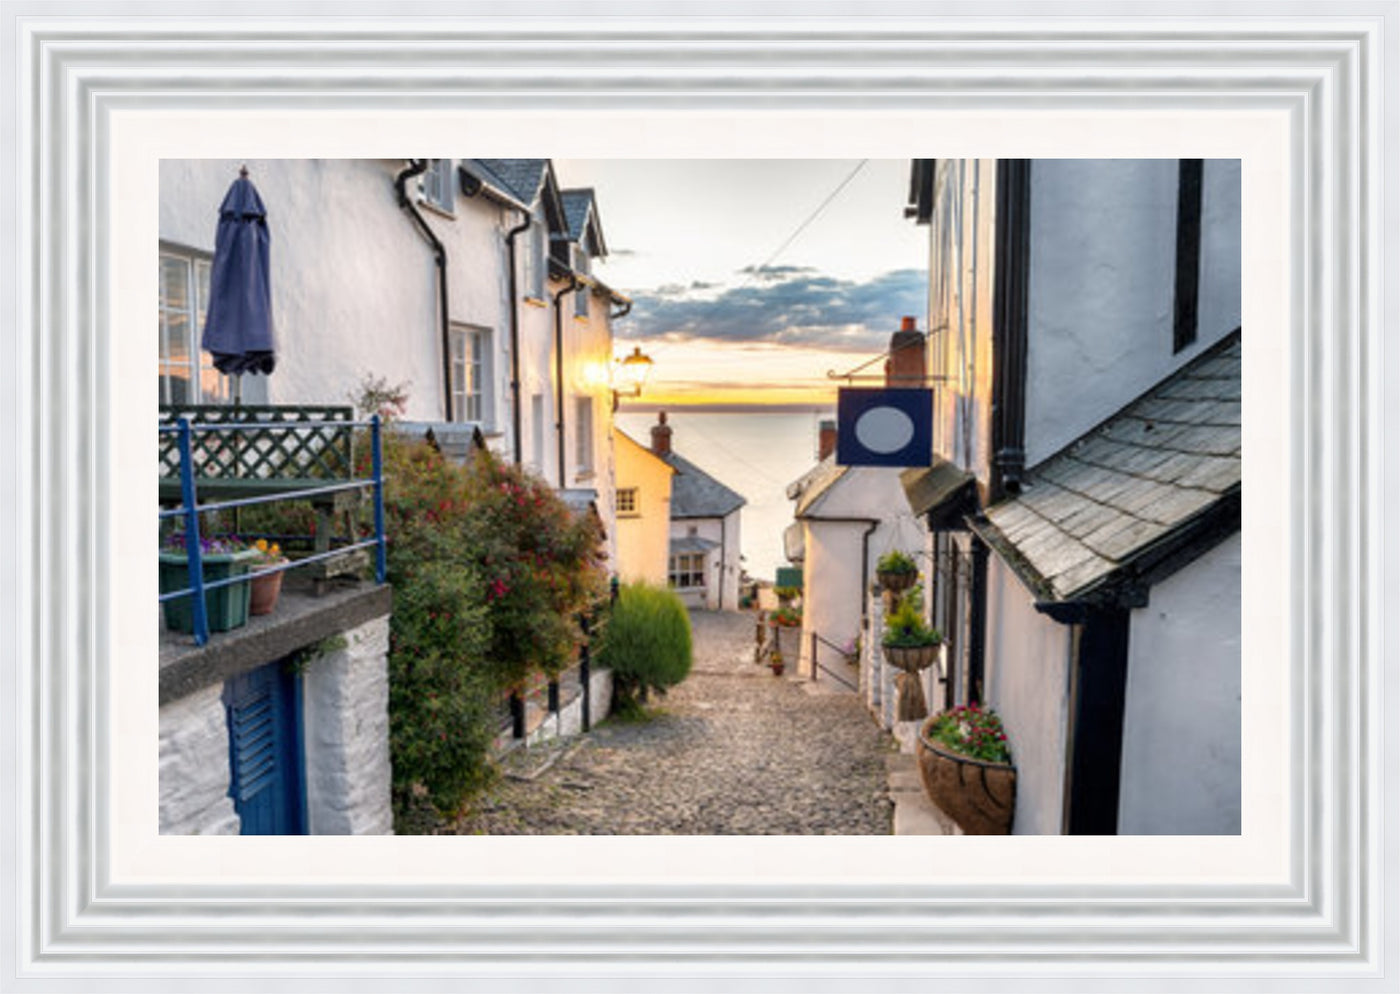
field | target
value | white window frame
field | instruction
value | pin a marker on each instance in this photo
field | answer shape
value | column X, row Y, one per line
column 204, row 384
column 625, row 502
column 583, row 435
column 435, row 186
column 470, row 368
column 687, row 566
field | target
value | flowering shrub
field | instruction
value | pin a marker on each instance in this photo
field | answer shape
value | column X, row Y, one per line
column 972, row 731
column 490, row 570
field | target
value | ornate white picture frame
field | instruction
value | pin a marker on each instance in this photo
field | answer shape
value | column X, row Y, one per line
column 1306, row 898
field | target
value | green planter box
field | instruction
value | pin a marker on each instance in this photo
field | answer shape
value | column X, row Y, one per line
column 226, row 607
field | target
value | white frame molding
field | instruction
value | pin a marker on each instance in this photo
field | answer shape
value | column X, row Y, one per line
column 76, row 916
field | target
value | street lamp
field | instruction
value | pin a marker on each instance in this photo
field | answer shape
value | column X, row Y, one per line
column 632, row 375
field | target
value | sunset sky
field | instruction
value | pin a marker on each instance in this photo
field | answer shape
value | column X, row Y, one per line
column 686, row 240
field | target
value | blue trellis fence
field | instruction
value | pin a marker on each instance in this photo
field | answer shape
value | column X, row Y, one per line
column 190, row 509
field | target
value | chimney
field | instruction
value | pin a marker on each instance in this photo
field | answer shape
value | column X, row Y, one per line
column 826, row 439
column 906, row 366
column 661, row 436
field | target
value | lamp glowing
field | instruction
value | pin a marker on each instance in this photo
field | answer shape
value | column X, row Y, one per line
column 632, row 376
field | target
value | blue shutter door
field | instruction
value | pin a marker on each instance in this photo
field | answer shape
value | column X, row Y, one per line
column 264, row 727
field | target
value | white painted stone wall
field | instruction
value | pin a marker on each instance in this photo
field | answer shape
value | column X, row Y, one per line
column 194, row 767
column 568, row 720
column 1181, row 727
column 345, row 729
column 1027, row 680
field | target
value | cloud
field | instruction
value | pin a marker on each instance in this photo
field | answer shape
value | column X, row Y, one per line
column 803, row 308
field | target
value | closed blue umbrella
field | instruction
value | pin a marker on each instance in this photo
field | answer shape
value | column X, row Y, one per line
column 238, row 325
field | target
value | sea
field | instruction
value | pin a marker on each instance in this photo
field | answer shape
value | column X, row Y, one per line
column 755, row 451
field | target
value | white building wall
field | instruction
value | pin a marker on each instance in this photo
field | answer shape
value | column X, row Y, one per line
column 1102, row 287
column 1181, row 723
column 354, row 284
column 831, row 588
column 1027, row 680
column 587, row 376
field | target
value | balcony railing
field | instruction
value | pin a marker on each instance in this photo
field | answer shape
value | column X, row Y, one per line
column 262, row 455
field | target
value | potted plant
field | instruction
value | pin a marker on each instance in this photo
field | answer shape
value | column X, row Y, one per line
column 223, row 558
column 909, row 643
column 785, row 622
column 786, row 595
column 896, row 571
column 966, row 767
column 268, row 587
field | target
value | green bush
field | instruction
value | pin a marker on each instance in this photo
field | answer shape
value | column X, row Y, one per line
column 646, row 642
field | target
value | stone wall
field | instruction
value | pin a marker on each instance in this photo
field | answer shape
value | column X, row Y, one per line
column 194, row 770
column 568, row 720
column 345, row 729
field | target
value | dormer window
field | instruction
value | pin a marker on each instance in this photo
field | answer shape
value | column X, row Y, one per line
column 435, row 186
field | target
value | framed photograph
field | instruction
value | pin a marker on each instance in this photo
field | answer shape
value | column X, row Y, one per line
column 1305, row 98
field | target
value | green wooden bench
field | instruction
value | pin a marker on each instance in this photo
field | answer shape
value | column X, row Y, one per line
column 293, row 449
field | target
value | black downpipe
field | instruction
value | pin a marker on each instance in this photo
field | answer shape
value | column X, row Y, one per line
column 518, row 447
column 1010, row 294
column 865, row 575
column 573, row 286
column 416, row 167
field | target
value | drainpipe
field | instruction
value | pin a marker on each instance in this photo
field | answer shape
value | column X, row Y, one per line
column 626, row 310
column 865, row 576
column 416, row 167
column 723, row 546
column 574, row 286
column 518, row 446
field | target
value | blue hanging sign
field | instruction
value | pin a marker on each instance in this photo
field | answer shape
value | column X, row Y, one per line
column 884, row 426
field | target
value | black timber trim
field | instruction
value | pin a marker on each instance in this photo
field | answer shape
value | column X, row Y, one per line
column 1010, row 294
column 977, row 624
column 1096, row 730
column 1188, row 253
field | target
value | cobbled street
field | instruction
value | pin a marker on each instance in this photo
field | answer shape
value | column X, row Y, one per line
column 732, row 751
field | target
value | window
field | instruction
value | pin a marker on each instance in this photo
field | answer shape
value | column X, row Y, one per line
column 435, row 185
column 469, row 372
column 533, row 268
column 581, row 267
column 187, row 373
column 626, row 501
column 583, row 435
column 687, row 570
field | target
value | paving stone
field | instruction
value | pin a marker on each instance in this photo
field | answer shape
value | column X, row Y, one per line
column 731, row 751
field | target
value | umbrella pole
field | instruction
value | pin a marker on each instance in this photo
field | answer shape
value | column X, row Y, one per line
column 237, row 448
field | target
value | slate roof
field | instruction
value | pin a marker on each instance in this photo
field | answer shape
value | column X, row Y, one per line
column 521, row 177
column 578, row 206
column 1119, row 495
column 692, row 543
column 808, row 488
column 696, row 494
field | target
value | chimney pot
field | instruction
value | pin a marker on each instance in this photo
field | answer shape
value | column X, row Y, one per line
column 826, row 439
column 661, row 436
column 907, row 324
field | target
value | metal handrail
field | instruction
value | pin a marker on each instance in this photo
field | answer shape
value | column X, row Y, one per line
column 191, row 509
column 816, row 664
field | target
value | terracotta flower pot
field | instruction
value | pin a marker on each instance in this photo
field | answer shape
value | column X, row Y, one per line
column 979, row 796
column 266, row 590
column 911, row 659
column 895, row 582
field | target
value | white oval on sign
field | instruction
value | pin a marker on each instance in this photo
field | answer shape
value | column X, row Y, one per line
column 884, row 429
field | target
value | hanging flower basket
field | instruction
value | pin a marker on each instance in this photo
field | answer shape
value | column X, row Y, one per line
column 911, row 659
column 979, row 795
column 896, row 582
